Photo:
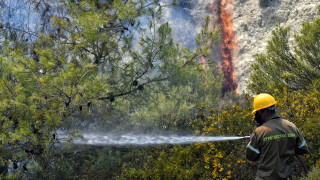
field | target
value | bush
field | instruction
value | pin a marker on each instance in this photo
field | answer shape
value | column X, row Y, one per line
column 313, row 175
column 226, row 159
column 217, row 160
column 303, row 108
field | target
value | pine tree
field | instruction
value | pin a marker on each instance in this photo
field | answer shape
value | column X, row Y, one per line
column 95, row 57
column 292, row 64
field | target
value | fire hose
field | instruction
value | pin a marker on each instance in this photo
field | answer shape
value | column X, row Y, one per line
column 306, row 171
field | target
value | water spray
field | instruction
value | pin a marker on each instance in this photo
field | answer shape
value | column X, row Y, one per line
column 131, row 139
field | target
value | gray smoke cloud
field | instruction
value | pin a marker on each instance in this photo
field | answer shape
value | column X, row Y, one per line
column 186, row 20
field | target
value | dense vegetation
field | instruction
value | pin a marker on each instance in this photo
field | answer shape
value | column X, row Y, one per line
column 97, row 66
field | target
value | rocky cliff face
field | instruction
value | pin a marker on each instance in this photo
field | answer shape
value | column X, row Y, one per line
column 254, row 21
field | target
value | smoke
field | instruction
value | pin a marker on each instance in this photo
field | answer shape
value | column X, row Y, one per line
column 187, row 19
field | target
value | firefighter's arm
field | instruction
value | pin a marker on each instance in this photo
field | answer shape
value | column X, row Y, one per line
column 301, row 144
column 252, row 151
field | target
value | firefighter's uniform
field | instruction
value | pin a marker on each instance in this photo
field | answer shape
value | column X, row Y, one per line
column 273, row 145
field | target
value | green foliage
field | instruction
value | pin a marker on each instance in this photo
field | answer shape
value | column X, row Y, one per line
column 105, row 56
column 100, row 69
column 274, row 73
column 216, row 160
column 294, row 64
column 303, row 108
column 176, row 163
column 314, row 174
column 290, row 71
column 219, row 160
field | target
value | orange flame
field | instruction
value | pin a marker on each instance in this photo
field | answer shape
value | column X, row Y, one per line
column 228, row 45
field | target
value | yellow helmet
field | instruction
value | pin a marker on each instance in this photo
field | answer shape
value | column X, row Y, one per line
column 263, row 101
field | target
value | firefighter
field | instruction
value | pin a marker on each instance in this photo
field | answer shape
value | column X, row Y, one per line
column 275, row 141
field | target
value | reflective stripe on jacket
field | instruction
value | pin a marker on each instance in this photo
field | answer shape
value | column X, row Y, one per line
column 273, row 146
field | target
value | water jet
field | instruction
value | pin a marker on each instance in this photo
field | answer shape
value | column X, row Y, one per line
column 145, row 140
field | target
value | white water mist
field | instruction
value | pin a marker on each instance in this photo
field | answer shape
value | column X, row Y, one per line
column 131, row 139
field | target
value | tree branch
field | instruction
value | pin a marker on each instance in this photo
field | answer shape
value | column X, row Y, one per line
column 10, row 90
column 133, row 90
column 154, row 80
